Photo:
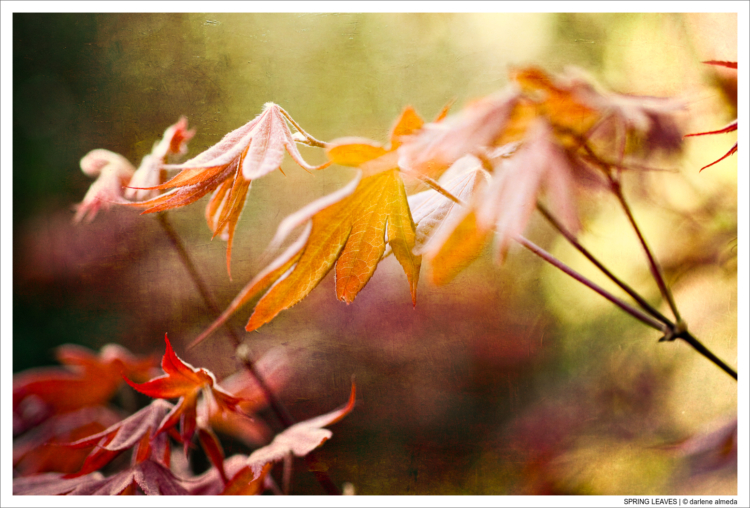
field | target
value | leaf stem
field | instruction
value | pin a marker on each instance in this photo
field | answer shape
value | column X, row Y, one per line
column 572, row 240
column 310, row 140
column 434, row 185
column 278, row 408
column 644, row 318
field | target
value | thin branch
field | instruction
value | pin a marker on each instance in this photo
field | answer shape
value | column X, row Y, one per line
column 696, row 344
column 184, row 256
column 572, row 240
column 653, row 264
column 644, row 318
column 242, row 350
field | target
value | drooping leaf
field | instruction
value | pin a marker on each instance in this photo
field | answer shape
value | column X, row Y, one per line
column 113, row 172
column 498, row 204
column 301, row 438
column 227, row 169
column 447, row 235
column 432, row 210
column 151, row 172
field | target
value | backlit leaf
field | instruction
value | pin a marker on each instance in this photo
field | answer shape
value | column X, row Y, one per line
column 348, row 229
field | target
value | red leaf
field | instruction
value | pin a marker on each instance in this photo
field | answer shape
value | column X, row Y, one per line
column 721, row 63
column 88, row 380
column 182, row 380
column 53, row 484
column 37, row 451
column 120, row 437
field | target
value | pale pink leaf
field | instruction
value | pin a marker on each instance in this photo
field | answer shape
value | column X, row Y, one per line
column 301, row 438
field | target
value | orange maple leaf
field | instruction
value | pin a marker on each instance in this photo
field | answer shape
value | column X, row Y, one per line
column 349, row 229
column 228, row 168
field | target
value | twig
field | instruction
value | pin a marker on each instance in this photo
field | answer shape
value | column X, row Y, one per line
column 572, row 240
column 644, row 318
column 696, row 344
column 653, row 264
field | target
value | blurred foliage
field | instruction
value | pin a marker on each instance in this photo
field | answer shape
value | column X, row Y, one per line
column 511, row 379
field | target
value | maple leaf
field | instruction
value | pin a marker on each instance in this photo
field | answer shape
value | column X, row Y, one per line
column 88, row 379
column 35, row 452
column 117, row 179
column 113, row 172
column 498, row 203
column 539, row 164
column 228, row 168
column 446, row 230
column 151, row 172
column 437, row 145
column 571, row 104
column 151, row 477
column 301, row 438
column 348, row 228
column 182, row 380
column 139, row 430
column 630, row 125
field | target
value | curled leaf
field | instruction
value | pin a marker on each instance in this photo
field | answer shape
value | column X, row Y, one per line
column 227, row 169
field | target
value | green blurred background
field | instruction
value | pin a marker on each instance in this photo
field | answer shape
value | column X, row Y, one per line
column 510, row 379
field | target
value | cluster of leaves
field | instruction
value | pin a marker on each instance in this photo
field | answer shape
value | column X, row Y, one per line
column 66, row 408
column 494, row 159
column 479, row 174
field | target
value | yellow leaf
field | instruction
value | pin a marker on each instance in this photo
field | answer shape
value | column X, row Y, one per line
column 350, row 234
column 463, row 245
column 353, row 151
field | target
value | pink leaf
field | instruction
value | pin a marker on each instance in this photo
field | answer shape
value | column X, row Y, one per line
column 301, row 438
